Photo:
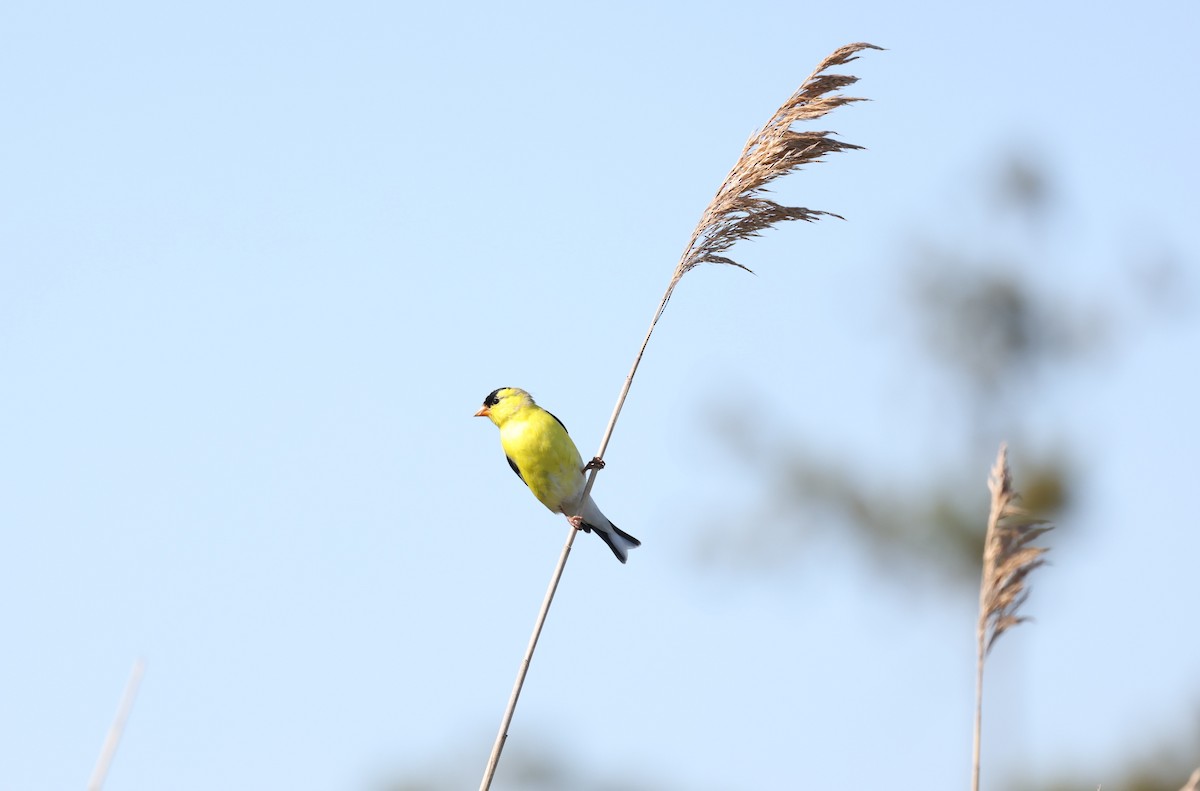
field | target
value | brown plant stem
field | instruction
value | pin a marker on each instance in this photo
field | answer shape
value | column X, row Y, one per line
column 738, row 211
column 523, row 670
column 975, row 742
column 501, row 737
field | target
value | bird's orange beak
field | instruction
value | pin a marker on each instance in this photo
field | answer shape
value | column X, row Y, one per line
column 483, row 412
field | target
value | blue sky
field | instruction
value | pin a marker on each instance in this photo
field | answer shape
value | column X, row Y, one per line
column 259, row 263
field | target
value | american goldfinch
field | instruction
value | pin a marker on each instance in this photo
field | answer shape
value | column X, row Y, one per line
column 542, row 455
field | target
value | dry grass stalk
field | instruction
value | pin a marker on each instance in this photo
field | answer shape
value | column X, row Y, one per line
column 117, row 729
column 1193, row 783
column 1008, row 558
column 738, row 211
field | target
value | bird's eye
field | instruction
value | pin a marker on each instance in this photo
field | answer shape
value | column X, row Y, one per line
column 492, row 398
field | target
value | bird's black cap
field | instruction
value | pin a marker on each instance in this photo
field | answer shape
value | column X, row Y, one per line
column 492, row 399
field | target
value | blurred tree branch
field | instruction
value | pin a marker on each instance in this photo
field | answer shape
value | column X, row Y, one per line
column 1002, row 338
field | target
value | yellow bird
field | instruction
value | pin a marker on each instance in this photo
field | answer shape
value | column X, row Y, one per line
column 541, row 453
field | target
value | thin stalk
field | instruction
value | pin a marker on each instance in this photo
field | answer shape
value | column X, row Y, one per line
column 523, row 670
column 612, row 421
column 981, row 628
column 978, row 713
column 100, row 772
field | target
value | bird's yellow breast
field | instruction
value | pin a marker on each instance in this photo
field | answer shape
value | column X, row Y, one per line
column 545, row 456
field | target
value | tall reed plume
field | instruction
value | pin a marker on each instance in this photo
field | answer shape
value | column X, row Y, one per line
column 738, row 211
column 1009, row 556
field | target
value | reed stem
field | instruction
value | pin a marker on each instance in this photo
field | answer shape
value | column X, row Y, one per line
column 113, row 739
column 738, row 211
column 523, row 670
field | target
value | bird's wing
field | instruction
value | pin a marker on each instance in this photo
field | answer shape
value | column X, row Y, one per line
column 513, row 464
column 564, row 425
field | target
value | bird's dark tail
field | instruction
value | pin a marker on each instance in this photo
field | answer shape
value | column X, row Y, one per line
column 617, row 539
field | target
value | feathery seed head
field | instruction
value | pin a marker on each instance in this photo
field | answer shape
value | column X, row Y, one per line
column 1009, row 556
column 739, row 210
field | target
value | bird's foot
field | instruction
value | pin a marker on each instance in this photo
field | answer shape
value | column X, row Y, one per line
column 577, row 523
column 596, row 463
